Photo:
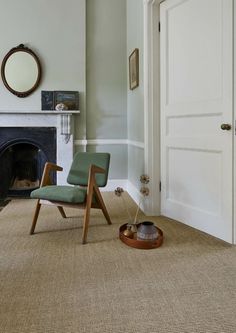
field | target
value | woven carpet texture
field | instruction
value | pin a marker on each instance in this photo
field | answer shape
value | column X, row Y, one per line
column 51, row 283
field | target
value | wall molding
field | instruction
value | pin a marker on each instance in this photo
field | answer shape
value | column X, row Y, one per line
column 137, row 144
column 91, row 142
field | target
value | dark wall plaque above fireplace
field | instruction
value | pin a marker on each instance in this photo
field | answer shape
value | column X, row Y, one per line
column 23, row 153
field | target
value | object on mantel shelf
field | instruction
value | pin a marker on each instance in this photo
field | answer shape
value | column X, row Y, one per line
column 61, row 107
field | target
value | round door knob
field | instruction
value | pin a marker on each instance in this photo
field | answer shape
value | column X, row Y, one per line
column 225, row 127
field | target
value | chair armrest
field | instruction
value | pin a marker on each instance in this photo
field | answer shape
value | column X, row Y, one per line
column 96, row 169
column 52, row 166
column 46, row 173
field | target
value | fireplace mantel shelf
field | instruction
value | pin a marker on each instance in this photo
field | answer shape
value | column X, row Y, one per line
column 41, row 112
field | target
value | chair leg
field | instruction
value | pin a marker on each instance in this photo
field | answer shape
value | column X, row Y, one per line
column 61, row 210
column 102, row 205
column 85, row 226
column 86, row 217
column 36, row 214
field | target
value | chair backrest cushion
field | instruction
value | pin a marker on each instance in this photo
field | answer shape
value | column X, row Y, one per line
column 79, row 170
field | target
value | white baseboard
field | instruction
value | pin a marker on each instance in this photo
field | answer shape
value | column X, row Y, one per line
column 127, row 186
column 135, row 194
column 112, row 184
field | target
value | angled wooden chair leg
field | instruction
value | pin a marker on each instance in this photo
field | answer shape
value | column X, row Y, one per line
column 102, row 204
column 36, row 214
column 87, row 213
column 61, row 210
column 85, row 225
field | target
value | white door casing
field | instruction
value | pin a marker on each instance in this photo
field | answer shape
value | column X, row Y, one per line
column 151, row 104
column 196, row 49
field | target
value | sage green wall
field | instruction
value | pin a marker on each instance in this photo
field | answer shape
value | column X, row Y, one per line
column 135, row 98
column 106, row 69
column 106, row 79
column 118, row 163
column 55, row 30
column 66, row 36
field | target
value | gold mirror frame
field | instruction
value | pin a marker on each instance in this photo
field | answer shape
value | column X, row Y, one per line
column 21, row 48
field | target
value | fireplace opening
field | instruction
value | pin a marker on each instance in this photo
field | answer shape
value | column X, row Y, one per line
column 25, row 167
column 23, row 154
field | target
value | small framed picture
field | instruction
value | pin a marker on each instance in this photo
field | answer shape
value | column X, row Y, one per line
column 134, row 69
column 47, row 100
column 69, row 98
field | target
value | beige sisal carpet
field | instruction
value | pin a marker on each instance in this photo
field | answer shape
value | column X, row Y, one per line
column 50, row 283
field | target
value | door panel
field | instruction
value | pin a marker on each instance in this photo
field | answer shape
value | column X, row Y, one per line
column 196, row 98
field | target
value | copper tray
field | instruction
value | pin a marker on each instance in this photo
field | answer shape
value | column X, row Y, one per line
column 140, row 244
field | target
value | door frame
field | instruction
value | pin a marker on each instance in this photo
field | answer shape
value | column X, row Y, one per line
column 152, row 106
column 234, row 122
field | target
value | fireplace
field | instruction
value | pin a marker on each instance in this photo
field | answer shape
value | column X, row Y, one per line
column 31, row 130
column 23, row 154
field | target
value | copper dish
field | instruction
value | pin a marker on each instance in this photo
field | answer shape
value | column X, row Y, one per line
column 140, row 244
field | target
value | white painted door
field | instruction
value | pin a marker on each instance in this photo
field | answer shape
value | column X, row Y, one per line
column 196, row 99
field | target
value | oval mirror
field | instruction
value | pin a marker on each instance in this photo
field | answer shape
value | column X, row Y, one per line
column 21, row 71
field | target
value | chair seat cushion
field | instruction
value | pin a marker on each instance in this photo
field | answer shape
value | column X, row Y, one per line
column 70, row 194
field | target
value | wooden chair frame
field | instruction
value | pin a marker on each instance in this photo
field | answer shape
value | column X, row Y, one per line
column 92, row 189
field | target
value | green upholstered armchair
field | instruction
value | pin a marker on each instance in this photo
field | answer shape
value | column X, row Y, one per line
column 88, row 172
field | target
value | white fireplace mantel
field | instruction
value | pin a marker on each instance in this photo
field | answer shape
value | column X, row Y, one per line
column 63, row 121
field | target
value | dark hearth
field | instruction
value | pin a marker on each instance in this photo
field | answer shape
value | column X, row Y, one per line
column 25, row 173
column 23, row 154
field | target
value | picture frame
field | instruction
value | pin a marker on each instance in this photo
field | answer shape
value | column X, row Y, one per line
column 134, row 69
column 69, row 98
column 47, row 100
